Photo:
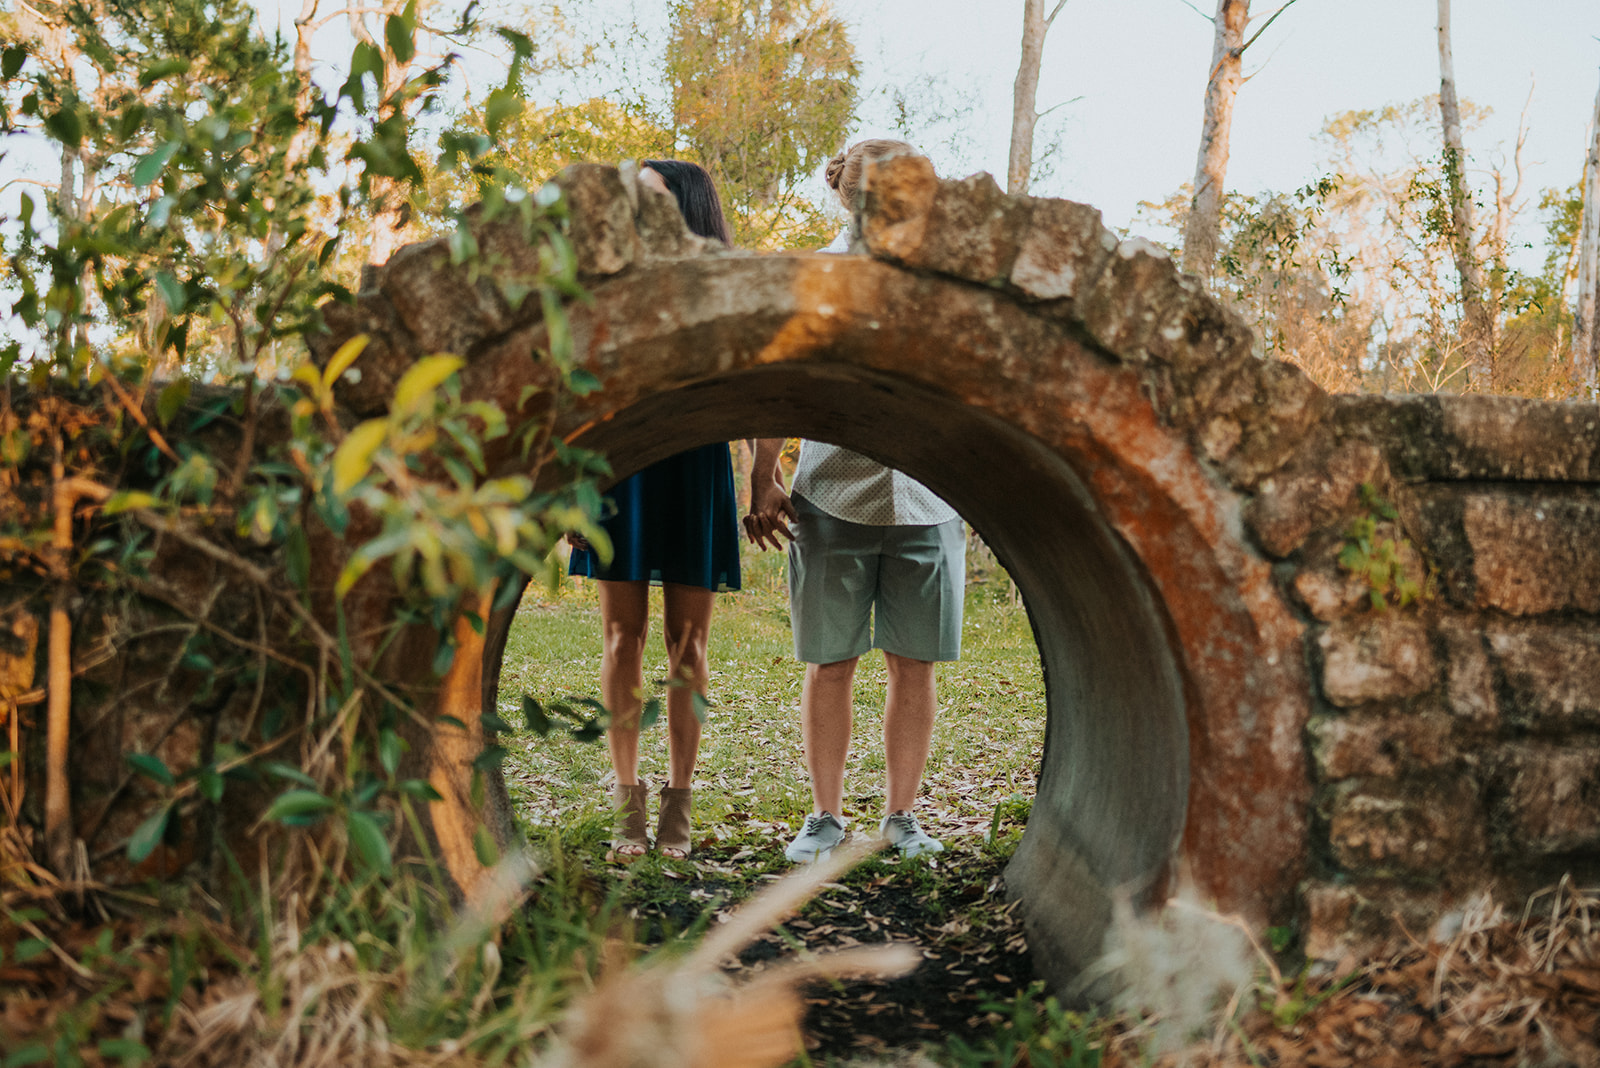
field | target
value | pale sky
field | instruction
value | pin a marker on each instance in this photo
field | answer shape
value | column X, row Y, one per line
column 1140, row 67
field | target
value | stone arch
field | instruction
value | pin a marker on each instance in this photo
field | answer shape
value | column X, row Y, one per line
column 1083, row 406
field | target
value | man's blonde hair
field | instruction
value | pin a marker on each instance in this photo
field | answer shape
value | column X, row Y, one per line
column 844, row 170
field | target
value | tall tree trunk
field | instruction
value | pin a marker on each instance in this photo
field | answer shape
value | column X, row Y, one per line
column 1478, row 332
column 1505, row 211
column 1200, row 235
column 305, row 29
column 1586, row 324
column 1025, row 94
column 391, row 215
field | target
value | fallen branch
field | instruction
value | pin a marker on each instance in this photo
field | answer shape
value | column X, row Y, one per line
column 58, row 795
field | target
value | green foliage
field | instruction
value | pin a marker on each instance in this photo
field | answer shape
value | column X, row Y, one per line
column 1378, row 559
column 763, row 93
column 1289, row 1004
column 197, row 228
column 193, row 199
column 1007, row 824
column 1271, row 264
column 760, row 92
column 1353, row 276
column 1035, row 1030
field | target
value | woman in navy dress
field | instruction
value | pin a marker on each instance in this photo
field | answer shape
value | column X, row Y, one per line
column 675, row 524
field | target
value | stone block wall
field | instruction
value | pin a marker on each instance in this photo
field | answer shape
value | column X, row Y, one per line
column 1454, row 743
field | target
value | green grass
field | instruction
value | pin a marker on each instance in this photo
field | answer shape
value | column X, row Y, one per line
column 750, row 783
column 751, row 790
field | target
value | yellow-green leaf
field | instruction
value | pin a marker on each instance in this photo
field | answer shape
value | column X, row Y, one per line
column 307, row 375
column 127, row 500
column 353, row 459
column 484, row 846
column 425, row 376
column 343, row 358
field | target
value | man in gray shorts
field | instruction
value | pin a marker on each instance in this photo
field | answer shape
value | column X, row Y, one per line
column 876, row 560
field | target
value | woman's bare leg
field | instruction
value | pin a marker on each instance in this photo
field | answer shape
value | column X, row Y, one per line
column 688, row 626
column 624, row 622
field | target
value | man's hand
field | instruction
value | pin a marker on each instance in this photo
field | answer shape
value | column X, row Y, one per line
column 770, row 507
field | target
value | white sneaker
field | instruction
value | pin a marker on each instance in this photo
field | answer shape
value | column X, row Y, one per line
column 816, row 839
column 907, row 835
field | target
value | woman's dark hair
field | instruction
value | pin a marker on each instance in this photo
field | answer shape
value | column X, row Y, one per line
column 697, row 196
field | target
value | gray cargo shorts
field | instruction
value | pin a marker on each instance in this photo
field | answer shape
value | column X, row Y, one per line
column 855, row 587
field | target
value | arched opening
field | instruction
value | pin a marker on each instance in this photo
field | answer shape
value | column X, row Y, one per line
column 1113, row 786
column 1176, row 689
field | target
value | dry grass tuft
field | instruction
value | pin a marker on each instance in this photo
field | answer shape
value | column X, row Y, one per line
column 1178, row 968
column 686, row 1013
column 1491, row 991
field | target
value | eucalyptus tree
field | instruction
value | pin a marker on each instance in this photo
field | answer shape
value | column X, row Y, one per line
column 1229, row 24
column 1586, row 321
column 1479, row 319
column 1025, row 93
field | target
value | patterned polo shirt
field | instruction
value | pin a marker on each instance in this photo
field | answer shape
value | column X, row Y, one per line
column 851, row 487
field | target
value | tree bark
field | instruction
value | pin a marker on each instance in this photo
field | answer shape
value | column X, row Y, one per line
column 304, row 30
column 1586, row 324
column 1025, row 94
column 1478, row 329
column 1505, row 210
column 1200, row 235
column 391, row 215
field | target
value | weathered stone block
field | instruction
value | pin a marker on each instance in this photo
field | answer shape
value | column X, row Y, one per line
column 390, row 351
column 1317, row 488
column 1545, row 799
column 1537, row 554
column 1479, row 437
column 1380, row 744
column 1550, row 673
column 664, row 237
column 1203, row 342
column 1379, row 656
column 1524, row 551
column 896, row 199
column 1327, row 590
column 1469, row 677
column 442, row 306
column 1418, row 827
column 1139, row 290
column 601, row 229
column 1343, row 918
column 973, row 231
column 1063, row 250
column 1287, row 404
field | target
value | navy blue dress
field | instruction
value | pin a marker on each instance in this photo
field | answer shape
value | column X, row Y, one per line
column 676, row 521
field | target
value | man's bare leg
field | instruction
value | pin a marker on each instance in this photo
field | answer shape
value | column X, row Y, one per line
column 825, row 721
column 908, row 712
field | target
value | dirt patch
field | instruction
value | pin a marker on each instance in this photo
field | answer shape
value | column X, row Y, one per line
column 951, row 907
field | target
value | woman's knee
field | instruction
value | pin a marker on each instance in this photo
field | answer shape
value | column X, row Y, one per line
column 688, row 649
column 624, row 639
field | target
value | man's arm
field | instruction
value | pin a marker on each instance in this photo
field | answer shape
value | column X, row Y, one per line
column 770, row 507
